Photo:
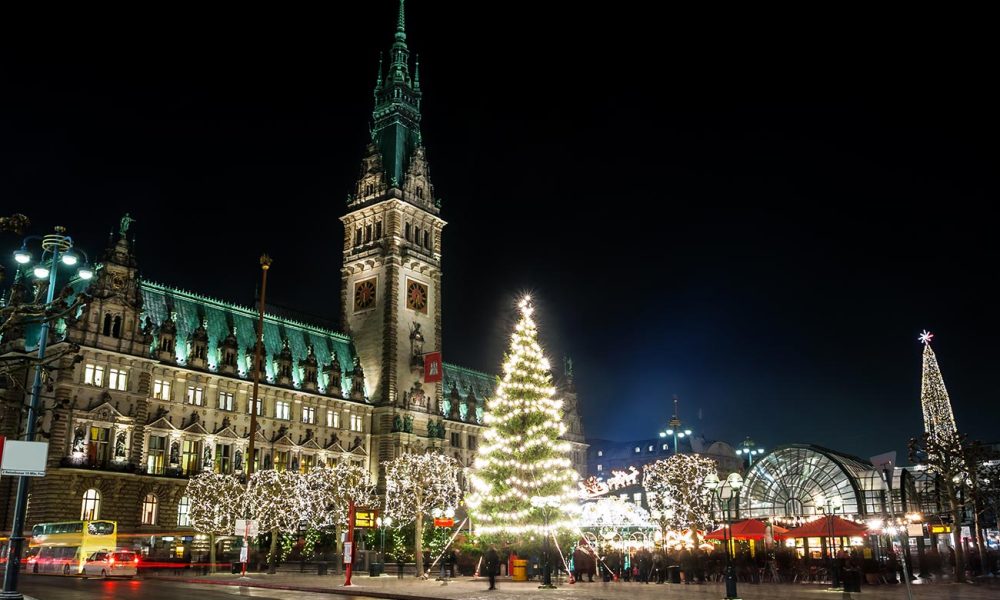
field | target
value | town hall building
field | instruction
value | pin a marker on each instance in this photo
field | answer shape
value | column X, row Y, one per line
column 161, row 387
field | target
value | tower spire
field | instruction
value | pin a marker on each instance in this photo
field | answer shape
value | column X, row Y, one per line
column 934, row 400
column 401, row 23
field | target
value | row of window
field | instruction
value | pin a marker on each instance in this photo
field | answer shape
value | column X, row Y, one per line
column 456, row 441
column 367, row 233
column 116, row 379
column 191, row 456
column 91, row 509
column 638, row 450
column 412, row 233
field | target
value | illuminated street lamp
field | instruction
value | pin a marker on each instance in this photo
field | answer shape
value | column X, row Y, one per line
column 675, row 428
column 749, row 449
column 725, row 493
column 829, row 506
column 382, row 524
column 57, row 247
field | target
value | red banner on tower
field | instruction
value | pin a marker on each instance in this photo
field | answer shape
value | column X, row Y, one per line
column 432, row 367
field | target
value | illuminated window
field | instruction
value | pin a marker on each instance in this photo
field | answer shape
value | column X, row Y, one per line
column 223, row 458
column 282, row 410
column 600, row 452
column 664, row 447
column 650, row 447
column 93, row 375
column 117, row 379
column 190, row 456
column 333, row 418
column 91, row 505
column 225, row 400
column 184, row 512
column 356, row 423
column 260, row 406
column 638, row 449
column 308, row 414
column 100, row 447
column 149, row 504
column 154, row 457
column 161, row 389
column 280, row 460
column 600, row 468
column 196, row 395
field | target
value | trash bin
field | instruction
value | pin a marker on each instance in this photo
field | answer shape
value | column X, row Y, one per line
column 852, row 580
column 321, row 568
column 237, row 568
column 520, row 572
column 675, row 573
column 375, row 569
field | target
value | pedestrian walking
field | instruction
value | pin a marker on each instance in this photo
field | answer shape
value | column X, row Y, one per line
column 492, row 566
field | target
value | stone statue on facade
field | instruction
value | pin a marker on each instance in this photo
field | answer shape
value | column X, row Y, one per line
column 120, row 445
column 79, row 440
column 126, row 221
column 416, row 347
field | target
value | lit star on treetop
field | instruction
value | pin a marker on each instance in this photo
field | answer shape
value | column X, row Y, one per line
column 926, row 336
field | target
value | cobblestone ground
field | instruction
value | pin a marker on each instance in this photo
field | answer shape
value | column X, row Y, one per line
column 469, row 589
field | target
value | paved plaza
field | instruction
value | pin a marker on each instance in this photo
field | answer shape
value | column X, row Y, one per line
column 468, row 589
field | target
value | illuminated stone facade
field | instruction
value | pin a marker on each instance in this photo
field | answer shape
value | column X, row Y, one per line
column 162, row 385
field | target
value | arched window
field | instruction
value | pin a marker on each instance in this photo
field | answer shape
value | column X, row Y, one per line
column 116, row 329
column 107, row 324
column 149, row 505
column 91, row 505
column 184, row 512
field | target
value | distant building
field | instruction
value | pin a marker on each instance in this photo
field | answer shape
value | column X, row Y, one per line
column 606, row 457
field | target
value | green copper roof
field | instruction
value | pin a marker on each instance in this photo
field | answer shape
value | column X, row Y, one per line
column 396, row 117
column 191, row 309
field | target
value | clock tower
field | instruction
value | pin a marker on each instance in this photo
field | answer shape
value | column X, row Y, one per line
column 391, row 294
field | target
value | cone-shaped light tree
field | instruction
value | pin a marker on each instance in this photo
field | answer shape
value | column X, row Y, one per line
column 941, row 448
column 524, row 482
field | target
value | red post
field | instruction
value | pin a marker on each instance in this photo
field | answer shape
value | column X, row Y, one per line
column 350, row 541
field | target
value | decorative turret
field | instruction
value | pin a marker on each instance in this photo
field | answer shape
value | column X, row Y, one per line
column 310, row 370
column 251, row 353
column 284, row 360
column 454, row 400
column 228, row 352
column 198, row 356
column 166, row 347
column 470, row 406
column 334, row 376
column 358, row 381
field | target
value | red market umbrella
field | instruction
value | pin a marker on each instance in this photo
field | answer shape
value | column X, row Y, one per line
column 750, row 529
column 828, row 526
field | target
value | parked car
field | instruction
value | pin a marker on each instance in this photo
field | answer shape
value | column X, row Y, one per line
column 120, row 563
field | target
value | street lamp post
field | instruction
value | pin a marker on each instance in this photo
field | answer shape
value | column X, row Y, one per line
column 830, row 506
column 725, row 492
column 675, row 427
column 383, row 523
column 56, row 248
column 546, row 503
column 749, row 449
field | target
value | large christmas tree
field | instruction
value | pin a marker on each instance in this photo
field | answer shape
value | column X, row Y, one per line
column 523, row 476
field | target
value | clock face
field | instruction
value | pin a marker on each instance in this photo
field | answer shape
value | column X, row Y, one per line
column 416, row 296
column 364, row 294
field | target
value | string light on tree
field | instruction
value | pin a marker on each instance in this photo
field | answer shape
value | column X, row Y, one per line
column 524, row 482
column 938, row 416
column 416, row 485
column 215, row 502
column 675, row 489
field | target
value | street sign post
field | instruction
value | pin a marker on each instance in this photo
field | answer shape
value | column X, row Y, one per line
column 26, row 459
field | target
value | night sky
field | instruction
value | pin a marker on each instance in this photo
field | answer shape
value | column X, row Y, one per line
column 757, row 221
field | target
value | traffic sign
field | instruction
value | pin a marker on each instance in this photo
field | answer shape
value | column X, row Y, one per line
column 249, row 528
